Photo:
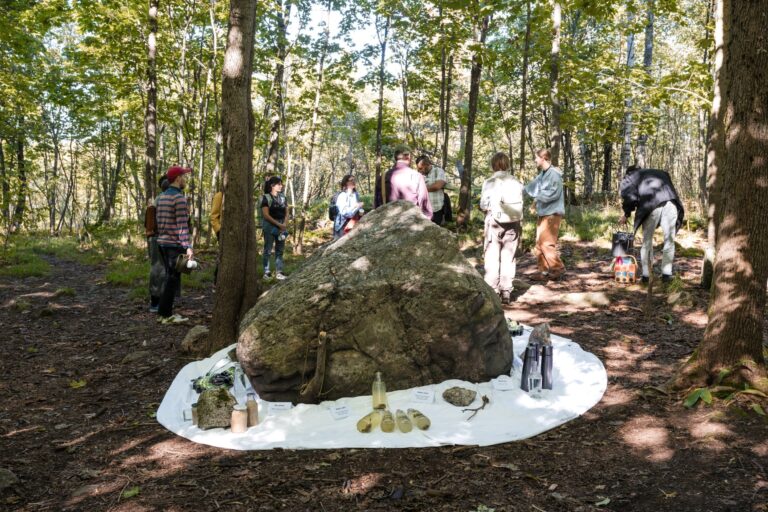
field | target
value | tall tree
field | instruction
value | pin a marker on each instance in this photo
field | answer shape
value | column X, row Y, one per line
column 554, row 74
column 626, row 145
column 150, row 116
column 524, row 85
column 465, row 193
column 733, row 339
column 238, row 278
column 642, row 139
column 383, row 35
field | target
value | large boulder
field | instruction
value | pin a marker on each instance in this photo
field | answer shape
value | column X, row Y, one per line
column 395, row 295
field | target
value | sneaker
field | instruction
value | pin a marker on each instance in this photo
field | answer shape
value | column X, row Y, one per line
column 267, row 275
column 644, row 279
column 666, row 278
column 539, row 276
column 153, row 309
column 280, row 276
column 506, row 296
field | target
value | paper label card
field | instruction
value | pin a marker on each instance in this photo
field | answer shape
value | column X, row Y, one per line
column 423, row 395
column 339, row 412
column 279, row 407
column 503, row 383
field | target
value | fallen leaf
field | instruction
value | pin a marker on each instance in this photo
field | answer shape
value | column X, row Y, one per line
column 76, row 384
column 130, row 493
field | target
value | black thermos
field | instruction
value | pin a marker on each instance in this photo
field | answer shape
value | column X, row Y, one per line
column 546, row 367
column 530, row 360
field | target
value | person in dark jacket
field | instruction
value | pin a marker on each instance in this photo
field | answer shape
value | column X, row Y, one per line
column 652, row 196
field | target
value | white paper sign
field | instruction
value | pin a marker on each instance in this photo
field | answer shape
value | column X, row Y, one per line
column 339, row 412
column 503, row 383
column 423, row 395
column 279, row 407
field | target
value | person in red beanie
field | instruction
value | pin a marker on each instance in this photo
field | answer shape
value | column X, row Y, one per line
column 173, row 238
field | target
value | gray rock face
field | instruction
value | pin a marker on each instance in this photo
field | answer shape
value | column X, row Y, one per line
column 394, row 295
column 541, row 335
column 214, row 408
column 194, row 339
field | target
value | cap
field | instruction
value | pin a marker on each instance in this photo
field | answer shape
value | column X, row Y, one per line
column 176, row 171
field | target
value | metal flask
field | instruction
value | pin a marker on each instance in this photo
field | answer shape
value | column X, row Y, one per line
column 530, row 363
column 546, row 367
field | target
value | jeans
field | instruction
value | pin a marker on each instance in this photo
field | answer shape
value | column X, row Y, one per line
column 666, row 217
column 172, row 279
column 271, row 240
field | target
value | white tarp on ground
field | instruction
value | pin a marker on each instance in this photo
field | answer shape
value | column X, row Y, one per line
column 579, row 383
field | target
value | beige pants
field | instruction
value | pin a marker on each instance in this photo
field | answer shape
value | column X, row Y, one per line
column 547, row 229
column 500, row 245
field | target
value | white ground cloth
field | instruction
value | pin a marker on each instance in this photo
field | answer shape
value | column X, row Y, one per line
column 579, row 383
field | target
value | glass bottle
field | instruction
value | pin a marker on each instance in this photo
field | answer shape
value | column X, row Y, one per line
column 534, row 381
column 379, row 392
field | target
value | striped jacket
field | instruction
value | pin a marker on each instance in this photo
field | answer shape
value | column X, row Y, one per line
column 172, row 219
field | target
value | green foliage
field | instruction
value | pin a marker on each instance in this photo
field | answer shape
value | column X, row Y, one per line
column 22, row 263
column 591, row 223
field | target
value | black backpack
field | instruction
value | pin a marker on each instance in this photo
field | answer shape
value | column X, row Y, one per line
column 333, row 210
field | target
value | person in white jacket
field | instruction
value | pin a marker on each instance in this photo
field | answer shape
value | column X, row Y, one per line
column 502, row 202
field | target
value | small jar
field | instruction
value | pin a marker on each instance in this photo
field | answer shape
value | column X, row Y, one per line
column 252, row 407
column 239, row 421
column 194, row 414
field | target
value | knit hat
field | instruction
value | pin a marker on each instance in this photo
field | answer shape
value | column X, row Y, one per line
column 176, row 171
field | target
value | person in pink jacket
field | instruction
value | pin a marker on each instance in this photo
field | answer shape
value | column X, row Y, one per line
column 407, row 184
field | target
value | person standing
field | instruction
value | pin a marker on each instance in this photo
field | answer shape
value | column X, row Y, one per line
column 547, row 190
column 651, row 193
column 156, row 265
column 348, row 206
column 173, row 238
column 405, row 183
column 502, row 201
column 435, row 179
column 274, row 208
column 216, row 204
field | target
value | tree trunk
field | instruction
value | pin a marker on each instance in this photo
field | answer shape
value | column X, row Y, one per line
column 273, row 165
column 642, row 139
column 238, row 280
column 150, row 116
column 380, row 118
column 21, row 195
column 524, row 95
column 586, row 159
column 298, row 248
column 465, row 194
column 554, row 73
column 607, row 165
column 626, row 146
column 5, row 198
column 733, row 339
column 708, row 263
column 447, row 125
column 443, row 76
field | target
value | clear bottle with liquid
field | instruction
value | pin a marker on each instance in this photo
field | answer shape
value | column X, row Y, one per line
column 379, row 392
column 535, row 382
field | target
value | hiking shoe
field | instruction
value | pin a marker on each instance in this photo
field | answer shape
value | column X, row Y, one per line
column 666, row 279
column 506, row 296
column 153, row 309
column 280, row 276
column 267, row 275
column 645, row 280
column 539, row 276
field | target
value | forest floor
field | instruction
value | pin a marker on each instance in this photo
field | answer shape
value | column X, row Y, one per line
column 85, row 366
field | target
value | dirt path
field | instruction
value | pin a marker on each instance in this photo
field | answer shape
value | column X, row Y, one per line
column 84, row 369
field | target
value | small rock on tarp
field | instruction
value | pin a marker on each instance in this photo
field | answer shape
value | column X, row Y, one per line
column 214, row 408
column 460, row 397
column 541, row 335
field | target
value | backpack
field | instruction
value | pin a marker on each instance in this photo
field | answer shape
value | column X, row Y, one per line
column 269, row 204
column 506, row 205
column 447, row 211
column 333, row 210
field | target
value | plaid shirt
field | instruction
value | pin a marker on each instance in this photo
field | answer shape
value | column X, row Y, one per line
column 173, row 219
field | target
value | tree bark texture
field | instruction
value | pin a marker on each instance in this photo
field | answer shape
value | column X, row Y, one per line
column 465, row 194
column 733, row 338
column 708, row 263
column 239, row 271
column 150, row 116
column 554, row 74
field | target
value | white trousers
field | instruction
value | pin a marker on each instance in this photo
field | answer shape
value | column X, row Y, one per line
column 666, row 217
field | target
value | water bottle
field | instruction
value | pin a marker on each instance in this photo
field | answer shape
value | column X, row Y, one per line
column 534, row 382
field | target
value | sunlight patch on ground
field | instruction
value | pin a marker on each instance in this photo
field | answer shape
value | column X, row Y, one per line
column 711, row 435
column 761, row 449
column 617, row 396
column 647, row 435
